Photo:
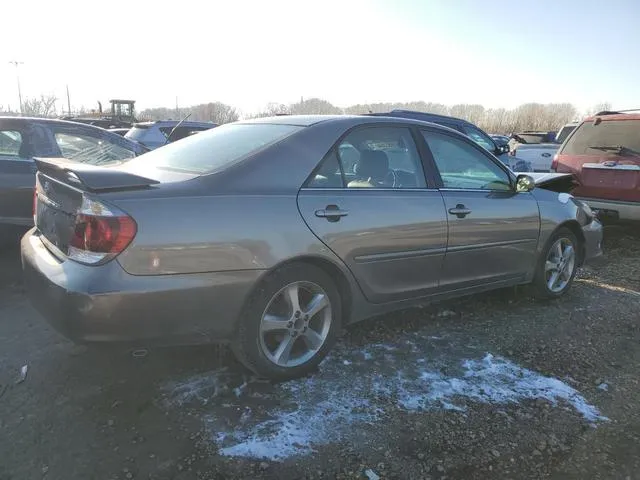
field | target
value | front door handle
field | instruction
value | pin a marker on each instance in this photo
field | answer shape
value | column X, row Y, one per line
column 332, row 213
column 460, row 211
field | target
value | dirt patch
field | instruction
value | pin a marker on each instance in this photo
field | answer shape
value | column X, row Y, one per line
column 494, row 386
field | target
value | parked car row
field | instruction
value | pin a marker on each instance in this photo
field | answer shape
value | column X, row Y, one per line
column 539, row 148
column 372, row 213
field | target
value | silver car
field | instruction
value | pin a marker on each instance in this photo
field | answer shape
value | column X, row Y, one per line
column 258, row 234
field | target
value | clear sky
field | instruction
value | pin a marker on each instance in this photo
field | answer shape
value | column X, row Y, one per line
column 499, row 53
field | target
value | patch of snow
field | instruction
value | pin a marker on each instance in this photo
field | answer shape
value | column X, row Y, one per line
column 327, row 410
column 292, row 418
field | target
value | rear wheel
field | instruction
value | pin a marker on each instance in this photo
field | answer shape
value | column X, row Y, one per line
column 290, row 323
column 558, row 265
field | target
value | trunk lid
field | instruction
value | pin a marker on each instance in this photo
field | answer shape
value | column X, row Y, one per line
column 609, row 177
column 67, row 204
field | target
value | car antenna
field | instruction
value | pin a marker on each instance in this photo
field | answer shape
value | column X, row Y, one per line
column 177, row 125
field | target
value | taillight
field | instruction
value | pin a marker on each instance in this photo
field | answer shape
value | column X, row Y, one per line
column 100, row 232
column 554, row 163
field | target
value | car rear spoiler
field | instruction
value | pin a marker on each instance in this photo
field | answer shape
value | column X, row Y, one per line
column 91, row 177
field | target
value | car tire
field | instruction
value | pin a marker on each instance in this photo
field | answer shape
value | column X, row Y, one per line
column 273, row 325
column 556, row 269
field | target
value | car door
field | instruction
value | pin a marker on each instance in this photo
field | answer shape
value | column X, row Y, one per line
column 377, row 213
column 492, row 229
column 17, row 175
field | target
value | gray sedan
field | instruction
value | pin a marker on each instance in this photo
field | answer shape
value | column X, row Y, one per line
column 263, row 234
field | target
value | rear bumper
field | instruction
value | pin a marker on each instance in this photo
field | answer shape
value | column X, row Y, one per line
column 106, row 304
column 593, row 234
column 612, row 208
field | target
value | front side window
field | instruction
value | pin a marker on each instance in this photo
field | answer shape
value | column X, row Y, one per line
column 84, row 148
column 380, row 157
column 463, row 166
column 10, row 143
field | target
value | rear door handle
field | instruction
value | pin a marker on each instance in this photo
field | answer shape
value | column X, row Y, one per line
column 460, row 211
column 332, row 213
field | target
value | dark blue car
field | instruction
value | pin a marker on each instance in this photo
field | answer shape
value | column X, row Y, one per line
column 23, row 138
column 470, row 130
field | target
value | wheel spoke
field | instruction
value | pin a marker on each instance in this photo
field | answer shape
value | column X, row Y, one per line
column 272, row 323
column 312, row 339
column 281, row 355
column 317, row 303
column 566, row 273
column 558, row 250
column 553, row 279
column 550, row 266
column 291, row 295
column 568, row 253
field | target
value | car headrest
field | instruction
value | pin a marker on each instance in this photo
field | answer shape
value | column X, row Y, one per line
column 373, row 164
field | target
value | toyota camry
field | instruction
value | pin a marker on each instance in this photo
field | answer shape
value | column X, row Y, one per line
column 273, row 234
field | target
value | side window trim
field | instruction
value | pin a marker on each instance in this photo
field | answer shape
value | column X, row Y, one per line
column 474, row 145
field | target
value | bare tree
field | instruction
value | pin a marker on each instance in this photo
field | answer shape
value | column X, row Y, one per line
column 599, row 107
column 45, row 106
column 271, row 110
column 314, row 106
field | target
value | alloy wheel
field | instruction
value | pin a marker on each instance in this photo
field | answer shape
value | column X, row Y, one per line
column 295, row 324
column 560, row 265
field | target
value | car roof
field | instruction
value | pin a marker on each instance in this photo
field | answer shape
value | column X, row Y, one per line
column 347, row 121
column 56, row 121
column 609, row 116
column 171, row 123
column 426, row 115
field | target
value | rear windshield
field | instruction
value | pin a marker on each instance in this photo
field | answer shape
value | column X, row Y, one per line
column 137, row 132
column 611, row 137
column 215, row 149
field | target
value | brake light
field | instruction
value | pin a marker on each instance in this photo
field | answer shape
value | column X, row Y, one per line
column 554, row 163
column 100, row 232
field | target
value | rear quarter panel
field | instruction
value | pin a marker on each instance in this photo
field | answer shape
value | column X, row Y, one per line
column 217, row 233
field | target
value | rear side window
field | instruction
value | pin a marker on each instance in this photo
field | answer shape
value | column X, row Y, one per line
column 10, row 143
column 215, row 149
column 88, row 149
column 613, row 137
column 372, row 157
column 564, row 133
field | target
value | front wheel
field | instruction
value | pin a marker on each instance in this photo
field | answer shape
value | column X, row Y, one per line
column 558, row 265
column 289, row 324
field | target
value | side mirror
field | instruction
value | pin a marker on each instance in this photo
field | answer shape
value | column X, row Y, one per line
column 525, row 183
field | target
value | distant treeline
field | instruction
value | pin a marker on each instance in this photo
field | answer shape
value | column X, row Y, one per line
column 529, row 116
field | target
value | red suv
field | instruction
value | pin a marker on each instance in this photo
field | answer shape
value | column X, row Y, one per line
column 604, row 154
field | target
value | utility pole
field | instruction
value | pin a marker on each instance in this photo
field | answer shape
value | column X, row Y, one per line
column 177, row 110
column 68, row 101
column 15, row 63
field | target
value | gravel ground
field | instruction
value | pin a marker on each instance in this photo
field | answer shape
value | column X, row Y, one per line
column 492, row 386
